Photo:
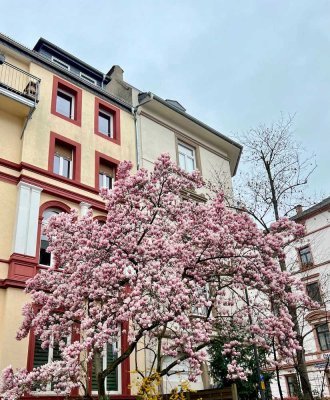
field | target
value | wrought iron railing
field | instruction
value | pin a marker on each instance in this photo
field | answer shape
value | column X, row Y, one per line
column 18, row 82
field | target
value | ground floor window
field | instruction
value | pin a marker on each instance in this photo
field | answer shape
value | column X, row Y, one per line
column 45, row 356
column 112, row 382
column 292, row 383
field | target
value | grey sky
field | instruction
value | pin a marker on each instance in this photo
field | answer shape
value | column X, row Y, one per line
column 232, row 64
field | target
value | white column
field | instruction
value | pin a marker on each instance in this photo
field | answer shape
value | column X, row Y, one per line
column 27, row 213
column 84, row 207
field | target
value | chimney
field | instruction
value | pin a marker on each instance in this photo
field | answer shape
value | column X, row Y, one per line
column 115, row 84
column 299, row 209
column 116, row 72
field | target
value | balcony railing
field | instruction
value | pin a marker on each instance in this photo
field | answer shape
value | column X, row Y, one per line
column 18, row 84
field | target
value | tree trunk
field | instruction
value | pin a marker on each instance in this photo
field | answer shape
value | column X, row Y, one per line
column 277, row 374
column 98, row 373
column 301, row 362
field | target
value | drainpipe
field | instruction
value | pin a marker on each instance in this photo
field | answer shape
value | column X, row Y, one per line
column 135, row 112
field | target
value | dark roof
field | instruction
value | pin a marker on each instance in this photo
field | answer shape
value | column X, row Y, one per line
column 40, row 59
column 45, row 43
column 313, row 210
column 176, row 104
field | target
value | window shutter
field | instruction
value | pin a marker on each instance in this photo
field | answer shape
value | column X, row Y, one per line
column 106, row 169
column 112, row 381
column 40, row 355
column 63, row 151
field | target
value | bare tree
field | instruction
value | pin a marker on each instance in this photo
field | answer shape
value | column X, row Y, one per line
column 275, row 177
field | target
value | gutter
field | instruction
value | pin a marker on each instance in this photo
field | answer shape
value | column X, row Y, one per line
column 135, row 111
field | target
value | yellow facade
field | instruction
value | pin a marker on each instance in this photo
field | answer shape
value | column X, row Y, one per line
column 26, row 181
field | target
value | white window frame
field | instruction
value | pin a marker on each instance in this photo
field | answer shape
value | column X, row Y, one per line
column 193, row 158
column 73, row 100
column 87, row 78
column 104, row 176
column 61, row 63
column 108, row 114
column 60, row 172
column 104, row 364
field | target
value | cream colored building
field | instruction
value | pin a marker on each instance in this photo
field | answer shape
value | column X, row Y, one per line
column 64, row 127
column 309, row 258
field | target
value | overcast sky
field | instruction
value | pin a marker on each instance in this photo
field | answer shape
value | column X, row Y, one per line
column 231, row 64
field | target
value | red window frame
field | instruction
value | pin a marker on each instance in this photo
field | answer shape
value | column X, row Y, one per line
column 103, row 158
column 76, row 156
column 115, row 113
column 59, row 83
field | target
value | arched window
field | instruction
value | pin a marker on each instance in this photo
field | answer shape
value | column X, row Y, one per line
column 45, row 258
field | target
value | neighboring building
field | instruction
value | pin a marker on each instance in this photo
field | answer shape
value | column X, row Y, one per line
column 309, row 258
column 64, row 127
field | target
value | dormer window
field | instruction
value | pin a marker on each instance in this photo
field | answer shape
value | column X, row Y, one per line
column 60, row 63
column 87, row 78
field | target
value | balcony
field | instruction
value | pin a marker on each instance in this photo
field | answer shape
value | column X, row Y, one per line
column 19, row 90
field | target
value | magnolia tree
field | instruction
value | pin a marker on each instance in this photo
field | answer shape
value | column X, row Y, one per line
column 174, row 269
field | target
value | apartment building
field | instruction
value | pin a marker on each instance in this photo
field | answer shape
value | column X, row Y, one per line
column 309, row 258
column 64, row 127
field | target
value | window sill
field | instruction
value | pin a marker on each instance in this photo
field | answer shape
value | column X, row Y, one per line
column 306, row 267
column 73, row 121
column 110, row 139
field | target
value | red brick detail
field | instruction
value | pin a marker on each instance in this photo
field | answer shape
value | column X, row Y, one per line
column 115, row 112
column 59, row 83
column 76, row 150
column 99, row 158
column 21, row 267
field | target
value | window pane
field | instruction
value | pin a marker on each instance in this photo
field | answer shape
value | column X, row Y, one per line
column 182, row 161
column 186, row 158
column 190, row 164
column 66, row 168
column 323, row 335
column 40, row 355
column 105, row 181
column 64, row 104
column 105, row 123
column 313, row 291
column 44, row 256
column 108, row 182
column 56, row 164
column 100, row 181
column 186, row 150
column 305, row 256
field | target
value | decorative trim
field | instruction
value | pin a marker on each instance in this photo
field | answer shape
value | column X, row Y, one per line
column 76, row 92
column 10, row 164
column 115, row 112
column 21, row 267
column 8, row 178
column 11, row 283
column 306, row 278
column 64, row 193
column 317, row 230
column 48, row 174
